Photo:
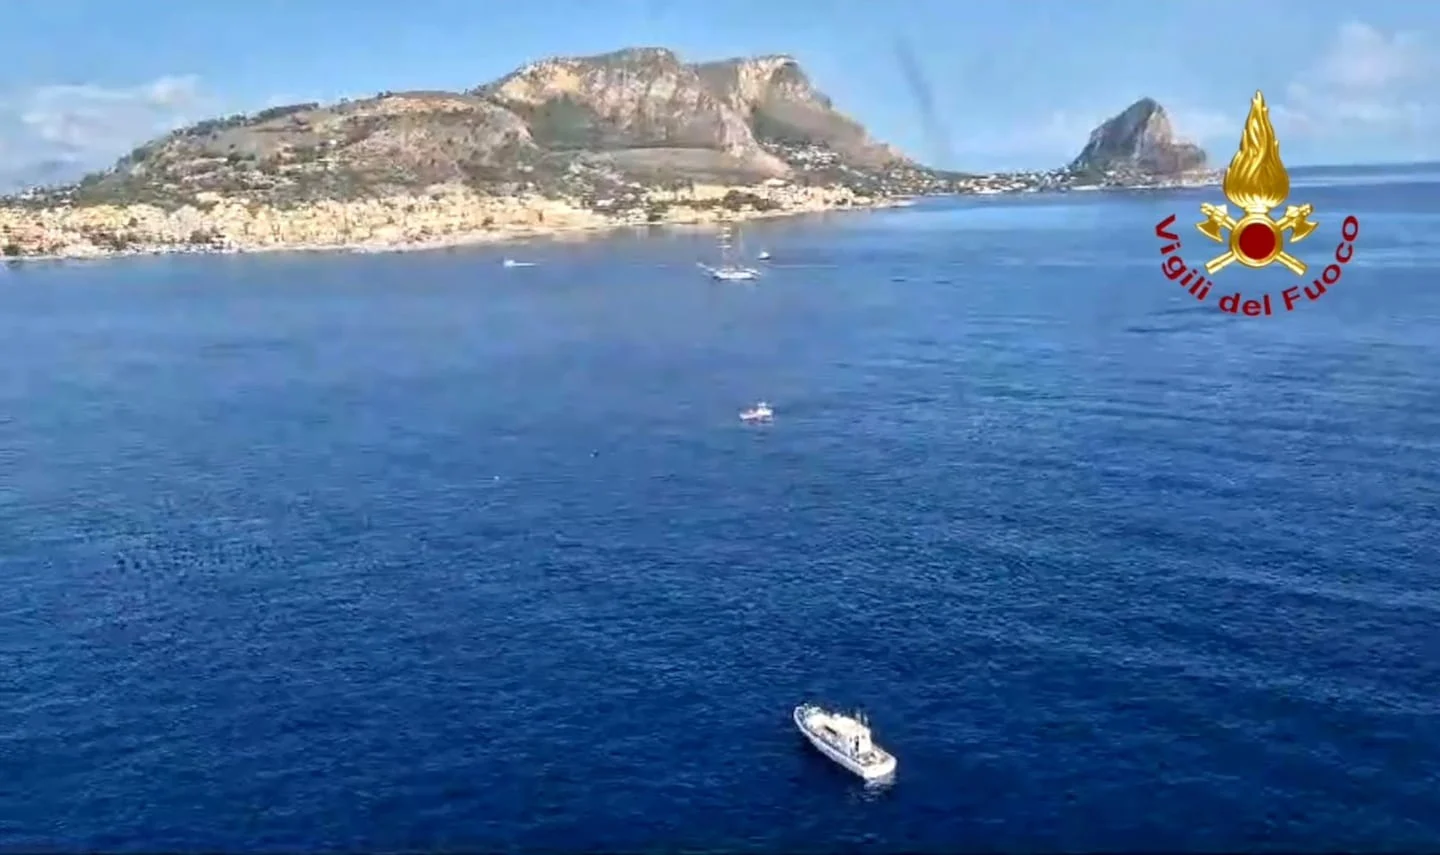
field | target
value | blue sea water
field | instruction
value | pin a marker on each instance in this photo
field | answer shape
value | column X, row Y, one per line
column 304, row 552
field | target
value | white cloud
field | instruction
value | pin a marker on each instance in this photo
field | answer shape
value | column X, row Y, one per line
column 58, row 131
column 1367, row 82
column 1365, row 59
column 1368, row 87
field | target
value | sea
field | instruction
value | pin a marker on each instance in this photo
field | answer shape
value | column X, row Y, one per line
column 417, row 551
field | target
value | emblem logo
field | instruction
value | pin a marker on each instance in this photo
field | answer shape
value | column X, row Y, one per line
column 1257, row 183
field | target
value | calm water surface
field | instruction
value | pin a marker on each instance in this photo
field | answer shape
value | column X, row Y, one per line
column 329, row 552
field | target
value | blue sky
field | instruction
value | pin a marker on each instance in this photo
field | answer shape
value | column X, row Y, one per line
column 1015, row 84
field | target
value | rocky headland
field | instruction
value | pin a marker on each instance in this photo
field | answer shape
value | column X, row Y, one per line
column 632, row 137
column 1138, row 147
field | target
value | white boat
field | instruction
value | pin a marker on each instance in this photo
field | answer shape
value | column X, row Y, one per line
column 846, row 740
column 730, row 273
column 729, row 270
column 510, row 262
column 764, row 255
column 761, row 412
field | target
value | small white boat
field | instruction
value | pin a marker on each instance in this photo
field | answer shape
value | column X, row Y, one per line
column 764, row 255
column 761, row 412
column 729, row 270
column 510, row 262
column 846, row 740
column 730, row 273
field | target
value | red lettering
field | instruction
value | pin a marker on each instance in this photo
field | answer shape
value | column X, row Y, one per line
column 1230, row 303
column 1348, row 255
column 1319, row 290
column 1331, row 280
column 1349, row 230
column 1267, row 305
column 1290, row 295
column 1251, row 308
column 1160, row 229
column 1173, row 267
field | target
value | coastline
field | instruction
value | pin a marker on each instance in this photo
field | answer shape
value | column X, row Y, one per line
column 459, row 240
column 465, row 220
column 454, row 241
column 455, row 219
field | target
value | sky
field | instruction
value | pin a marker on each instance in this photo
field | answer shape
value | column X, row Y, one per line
column 967, row 84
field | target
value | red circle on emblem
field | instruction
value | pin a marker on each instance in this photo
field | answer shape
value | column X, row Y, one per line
column 1257, row 241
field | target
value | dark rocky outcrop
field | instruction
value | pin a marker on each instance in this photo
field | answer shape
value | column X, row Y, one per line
column 1139, row 141
column 566, row 127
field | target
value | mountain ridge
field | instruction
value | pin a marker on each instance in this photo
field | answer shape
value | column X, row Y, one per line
column 564, row 126
column 630, row 137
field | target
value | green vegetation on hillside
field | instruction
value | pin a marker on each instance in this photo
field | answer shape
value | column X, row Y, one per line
column 639, row 117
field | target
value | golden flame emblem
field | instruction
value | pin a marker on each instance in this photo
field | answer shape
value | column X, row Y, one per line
column 1256, row 182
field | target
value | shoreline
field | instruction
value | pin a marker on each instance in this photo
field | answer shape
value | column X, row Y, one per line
column 462, row 240
column 518, row 233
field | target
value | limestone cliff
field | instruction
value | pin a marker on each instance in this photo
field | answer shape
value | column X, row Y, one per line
column 583, row 129
column 1139, row 140
column 781, row 106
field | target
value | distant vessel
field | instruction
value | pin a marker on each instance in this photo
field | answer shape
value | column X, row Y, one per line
column 729, row 270
column 730, row 274
column 761, row 412
column 846, row 740
column 510, row 262
column 764, row 255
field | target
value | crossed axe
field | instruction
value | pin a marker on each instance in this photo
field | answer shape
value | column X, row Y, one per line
column 1218, row 221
